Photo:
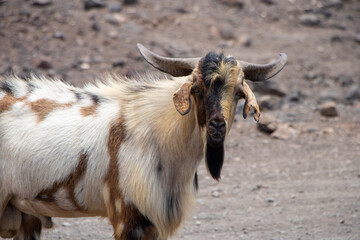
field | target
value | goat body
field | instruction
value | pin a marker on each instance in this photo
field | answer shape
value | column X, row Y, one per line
column 118, row 149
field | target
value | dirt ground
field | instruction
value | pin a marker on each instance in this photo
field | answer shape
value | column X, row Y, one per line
column 302, row 181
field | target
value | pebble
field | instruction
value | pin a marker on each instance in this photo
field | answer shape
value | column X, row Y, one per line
column 328, row 109
column 330, row 95
column 59, row 35
column 198, row 223
column 353, row 94
column 344, row 80
column 268, row 2
column 284, row 132
column 215, row 194
column 129, row 2
column 115, row 8
column 268, row 102
column 41, row 3
column 309, row 19
column 232, row 3
column 245, row 40
column 89, row 4
column 270, row 200
column 227, row 32
column 84, row 66
column 269, row 87
column 118, row 63
column 295, row 96
column 111, row 19
column 357, row 38
column 267, row 123
column 95, row 26
column 66, row 224
column 337, row 4
column 43, row 62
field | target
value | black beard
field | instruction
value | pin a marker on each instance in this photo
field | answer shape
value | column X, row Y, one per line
column 214, row 160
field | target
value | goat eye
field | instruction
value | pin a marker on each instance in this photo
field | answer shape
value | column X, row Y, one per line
column 239, row 94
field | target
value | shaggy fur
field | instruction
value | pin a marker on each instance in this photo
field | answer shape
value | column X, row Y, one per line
column 118, row 149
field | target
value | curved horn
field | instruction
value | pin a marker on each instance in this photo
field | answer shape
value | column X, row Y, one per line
column 177, row 67
column 262, row 72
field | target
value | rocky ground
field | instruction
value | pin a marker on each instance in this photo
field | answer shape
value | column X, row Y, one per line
column 296, row 174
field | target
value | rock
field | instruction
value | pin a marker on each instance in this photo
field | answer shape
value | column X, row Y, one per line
column 357, row 38
column 342, row 221
column 95, row 26
column 309, row 19
column 267, row 123
column 43, row 62
column 84, row 66
column 336, row 38
column 337, row 4
column 312, row 75
column 115, row 8
column 284, row 132
column 344, row 80
column 269, row 87
column 268, row 2
column 328, row 109
column 227, row 32
column 215, row 194
column 295, row 96
column 41, row 3
column 129, row 2
column 245, row 40
column 118, row 63
column 89, row 4
column 331, row 95
column 270, row 200
column 268, row 102
column 66, row 224
column 232, row 3
column 111, row 19
column 198, row 223
column 353, row 94
column 59, row 35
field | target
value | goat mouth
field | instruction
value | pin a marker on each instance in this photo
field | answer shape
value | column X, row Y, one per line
column 215, row 140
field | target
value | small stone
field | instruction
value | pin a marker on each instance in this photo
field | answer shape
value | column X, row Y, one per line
column 284, row 132
column 84, row 66
column 295, row 96
column 111, row 19
column 215, row 194
column 270, row 200
column 41, row 3
column 43, row 62
column 129, row 2
column 337, row 4
column 342, row 222
column 336, row 38
column 357, row 38
column 95, row 26
column 118, row 63
column 227, row 32
column 309, row 20
column 267, row 123
column 311, row 75
column 66, row 224
column 59, row 35
column 89, row 4
column 331, row 95
column 344, row 80
column 353, row 94
column 268, row 2
column 198, row 223
column 268, row 102
column 328, row 109
column 115, row 8
column 232, row 3
column 245, row 40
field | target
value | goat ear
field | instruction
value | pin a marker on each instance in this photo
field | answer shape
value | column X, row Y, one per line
column 182, row 99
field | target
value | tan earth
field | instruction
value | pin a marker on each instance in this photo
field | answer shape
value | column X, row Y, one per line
column 300, row 182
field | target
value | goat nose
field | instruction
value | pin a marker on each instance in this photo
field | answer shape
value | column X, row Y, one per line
column 217, row 123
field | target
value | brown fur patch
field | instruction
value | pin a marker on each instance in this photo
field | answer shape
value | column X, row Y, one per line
column 117, row 135
column 90, row 110
column 68, row 183
column 7, row 101
column 43, row 107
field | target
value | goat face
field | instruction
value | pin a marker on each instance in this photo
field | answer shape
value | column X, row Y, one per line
column 216, row 84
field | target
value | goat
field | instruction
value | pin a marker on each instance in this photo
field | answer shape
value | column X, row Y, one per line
column 125, row 149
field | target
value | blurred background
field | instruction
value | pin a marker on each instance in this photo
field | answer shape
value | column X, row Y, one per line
column 294, row 175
